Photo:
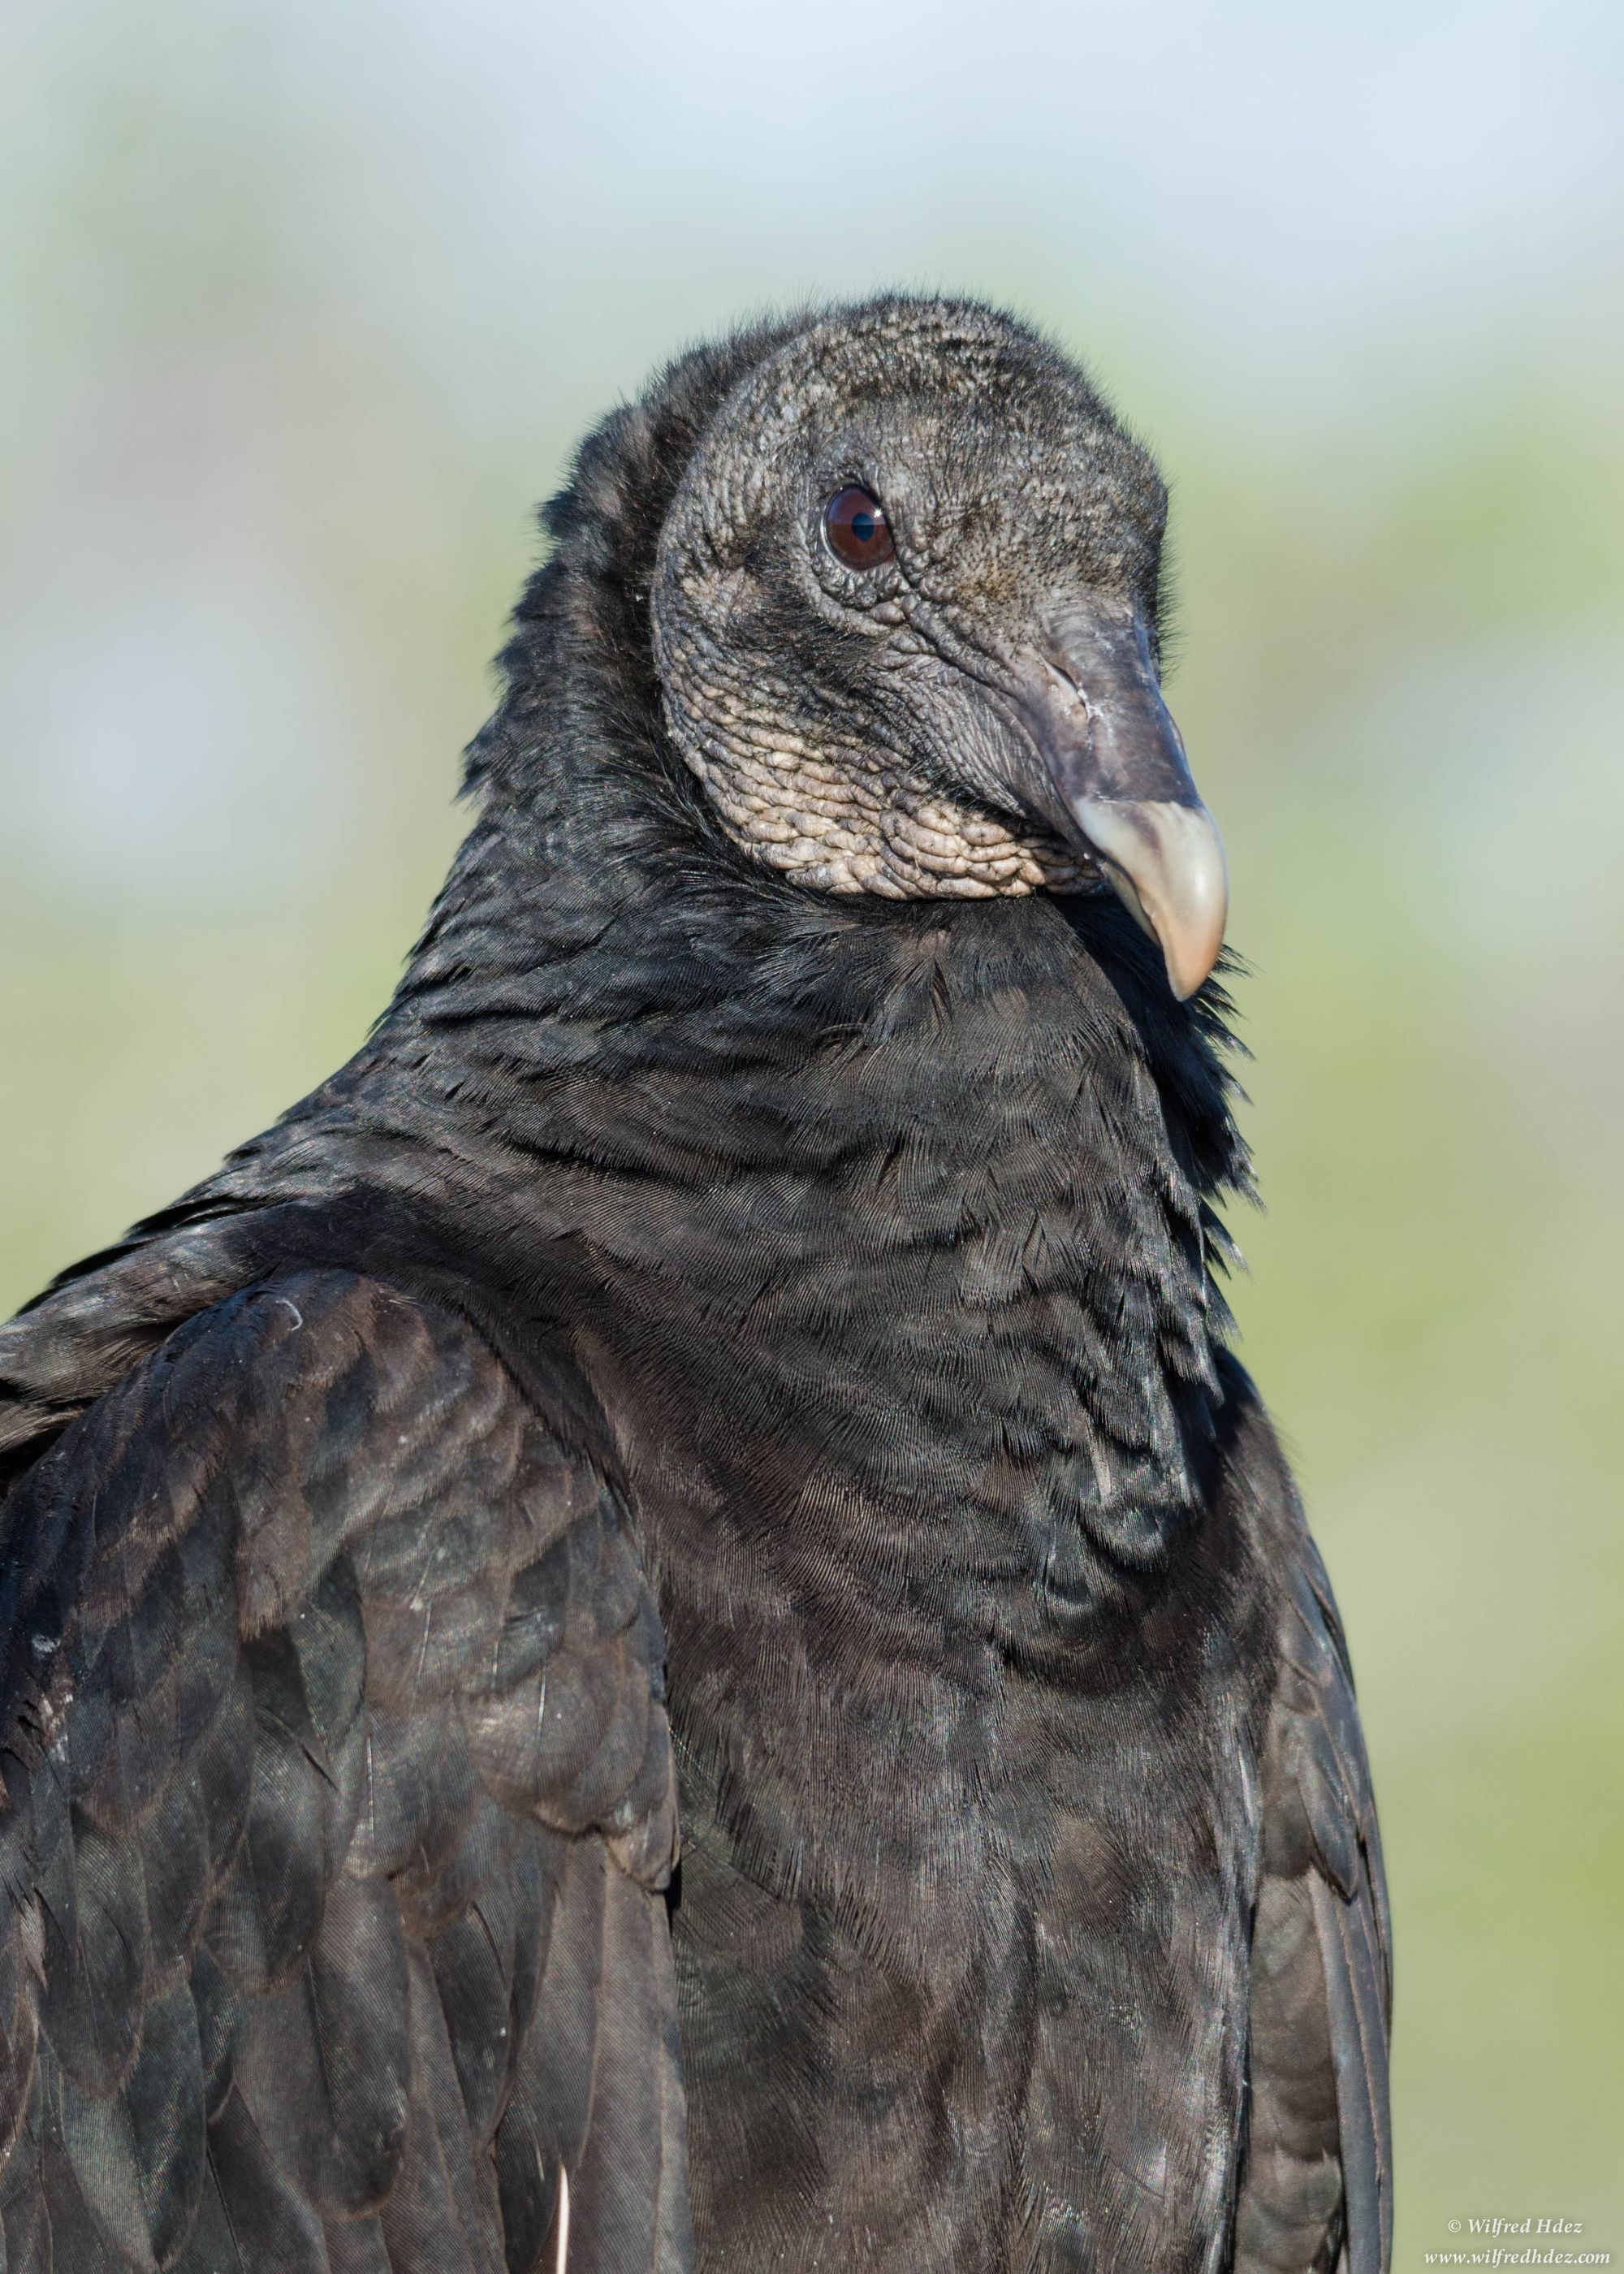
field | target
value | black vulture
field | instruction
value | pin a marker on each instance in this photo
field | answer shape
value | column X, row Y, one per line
column 660, row 1631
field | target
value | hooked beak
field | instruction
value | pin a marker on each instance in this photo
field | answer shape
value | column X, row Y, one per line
column 1118, row 786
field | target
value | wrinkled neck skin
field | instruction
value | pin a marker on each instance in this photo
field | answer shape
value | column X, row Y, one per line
column 895, row 1212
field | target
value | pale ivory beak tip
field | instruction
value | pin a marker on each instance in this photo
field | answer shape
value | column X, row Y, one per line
column 1166, row 860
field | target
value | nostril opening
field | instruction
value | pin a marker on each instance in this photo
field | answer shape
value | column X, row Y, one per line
column 1071, row 689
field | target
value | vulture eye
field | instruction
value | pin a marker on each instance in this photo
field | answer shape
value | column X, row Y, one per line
column 857, row 530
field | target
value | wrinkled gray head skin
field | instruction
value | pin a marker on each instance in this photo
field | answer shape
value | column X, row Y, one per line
column 981, row 713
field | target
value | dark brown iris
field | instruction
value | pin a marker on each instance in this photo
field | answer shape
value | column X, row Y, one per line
column 854, row 522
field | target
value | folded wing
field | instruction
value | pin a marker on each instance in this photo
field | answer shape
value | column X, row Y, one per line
column 338, row 1807
column 1318, row 2187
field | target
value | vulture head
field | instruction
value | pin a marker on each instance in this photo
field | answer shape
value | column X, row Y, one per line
column 905, row 617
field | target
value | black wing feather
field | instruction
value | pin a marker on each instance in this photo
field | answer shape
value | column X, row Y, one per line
column 1317, row 2192
column 338, row 1804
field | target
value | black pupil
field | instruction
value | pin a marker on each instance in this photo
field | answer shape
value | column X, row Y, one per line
column 862, row 524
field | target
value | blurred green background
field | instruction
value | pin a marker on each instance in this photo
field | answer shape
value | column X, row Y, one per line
column 305, row 304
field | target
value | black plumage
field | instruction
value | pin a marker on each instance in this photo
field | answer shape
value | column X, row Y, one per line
column 737, row 1348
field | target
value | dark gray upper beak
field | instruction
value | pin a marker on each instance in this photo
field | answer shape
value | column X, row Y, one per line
column 1118, row 784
